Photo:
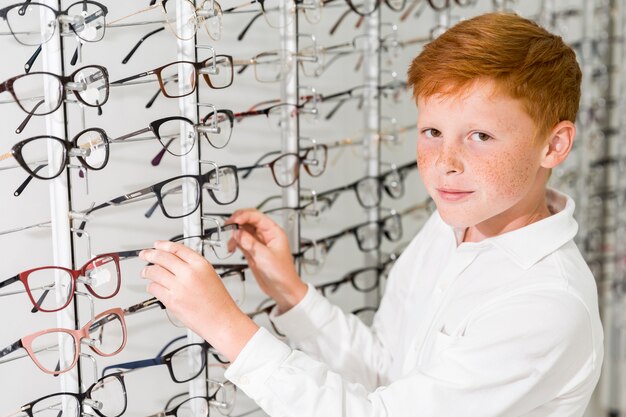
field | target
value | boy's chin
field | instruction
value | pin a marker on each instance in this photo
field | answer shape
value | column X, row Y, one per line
column 456, row 220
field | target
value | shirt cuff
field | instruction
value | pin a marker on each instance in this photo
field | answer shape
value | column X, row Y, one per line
column 305, row 318
column 257, row 361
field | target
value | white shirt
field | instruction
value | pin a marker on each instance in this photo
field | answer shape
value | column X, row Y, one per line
column 508, row 326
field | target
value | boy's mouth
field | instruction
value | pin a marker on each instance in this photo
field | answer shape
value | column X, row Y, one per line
column 452, row 195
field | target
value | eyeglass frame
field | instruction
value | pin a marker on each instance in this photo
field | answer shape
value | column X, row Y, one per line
column 81, row 397
column 198, row 67
column 163, row 358
column 77, row 335
column 155, row 189
column 74, row 273
column 68, row 146
column 67, row 83
column 302, row 161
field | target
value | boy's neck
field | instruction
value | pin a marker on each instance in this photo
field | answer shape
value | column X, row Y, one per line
column 530, row 210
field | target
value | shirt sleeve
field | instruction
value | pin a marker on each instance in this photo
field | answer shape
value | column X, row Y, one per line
column 324, row 332
column 514, row 359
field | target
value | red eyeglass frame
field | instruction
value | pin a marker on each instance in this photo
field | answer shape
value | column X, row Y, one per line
column 75, row 273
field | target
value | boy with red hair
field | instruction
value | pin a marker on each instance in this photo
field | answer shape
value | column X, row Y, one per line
column 490, row 311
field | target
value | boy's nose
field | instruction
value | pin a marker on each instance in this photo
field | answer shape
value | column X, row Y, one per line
column 449, row 161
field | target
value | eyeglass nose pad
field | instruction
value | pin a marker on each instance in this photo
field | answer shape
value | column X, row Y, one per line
column 94, row 404
column 91, row 342
column 209, row 129
column 312, row 162
column 76, row 86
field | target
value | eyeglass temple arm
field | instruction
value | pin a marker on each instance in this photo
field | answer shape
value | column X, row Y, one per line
column 29, row 64
column 245, row 29
column 21, row 127
column 248, row 170
column 134, row 364
column 159, row 156
column 132, row 77
column 339, row 21
column 27, row 181
column 257, row 163
column 134, row 196
column 12, row 348
column 139, row 43
column 9, row 281
column 130, row 135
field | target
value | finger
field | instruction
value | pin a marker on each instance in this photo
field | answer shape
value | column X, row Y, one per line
column 158, row 274
column 160, row 292
column 249, row 244
column 164, row 259
column 179, row 250
column 263, row 223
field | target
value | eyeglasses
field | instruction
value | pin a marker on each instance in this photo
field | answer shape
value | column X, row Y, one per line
column 207, row 15
column 50, row 349
column 216, row 128
column 106, row 397
column 178, row 362
column 363, row 279
column 216, row 71
column 33, row 23
column 440, row 5
column 286, row 167
column 91, row 147
column 320, row 58
column 368, row 236
column 221, row 396
column 364, row 8
column 271, row 11
column 368, row 189
column 41, row 93
column 269, row 67
column 217, row 238
column 221, row 183
column 100, row 275
column 278, row 114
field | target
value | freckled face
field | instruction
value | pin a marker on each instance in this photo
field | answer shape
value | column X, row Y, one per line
column 476, row 156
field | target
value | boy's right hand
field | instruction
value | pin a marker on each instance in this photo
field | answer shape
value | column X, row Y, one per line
column 266, row 248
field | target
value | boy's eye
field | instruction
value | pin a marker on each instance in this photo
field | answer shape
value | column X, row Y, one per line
column 480, row 137
column 432, row 133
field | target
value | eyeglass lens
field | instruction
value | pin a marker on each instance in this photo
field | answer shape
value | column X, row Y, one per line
column 187, row 362
column 110, row 394
column 26, row 23
column 29, row 93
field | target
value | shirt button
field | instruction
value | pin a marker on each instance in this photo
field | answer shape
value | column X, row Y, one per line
column 244, row 380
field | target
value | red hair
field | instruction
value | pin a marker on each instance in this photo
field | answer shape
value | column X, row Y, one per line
column 524, row 60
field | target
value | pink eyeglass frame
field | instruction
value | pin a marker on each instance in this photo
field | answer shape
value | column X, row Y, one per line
column 77, row 335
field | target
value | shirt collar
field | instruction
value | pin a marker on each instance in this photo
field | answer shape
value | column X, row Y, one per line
column 528, row 245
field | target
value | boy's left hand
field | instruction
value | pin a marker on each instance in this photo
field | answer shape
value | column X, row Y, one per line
column 189, row 287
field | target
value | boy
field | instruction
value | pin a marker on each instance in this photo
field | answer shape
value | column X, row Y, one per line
column 506, row 325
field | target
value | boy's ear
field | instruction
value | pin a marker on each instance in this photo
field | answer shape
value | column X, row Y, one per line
column 559, row 144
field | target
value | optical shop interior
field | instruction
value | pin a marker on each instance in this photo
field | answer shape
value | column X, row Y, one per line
column 129, row 122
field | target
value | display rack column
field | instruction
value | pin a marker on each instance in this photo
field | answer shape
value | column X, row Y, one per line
column 52, row 56
column 290, row 125
column 189, row 163
column 372, row 116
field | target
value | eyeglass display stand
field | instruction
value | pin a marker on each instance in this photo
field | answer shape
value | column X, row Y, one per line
column 371, row 120
column 290, row 130
column 59, row 202
column 190, row 165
